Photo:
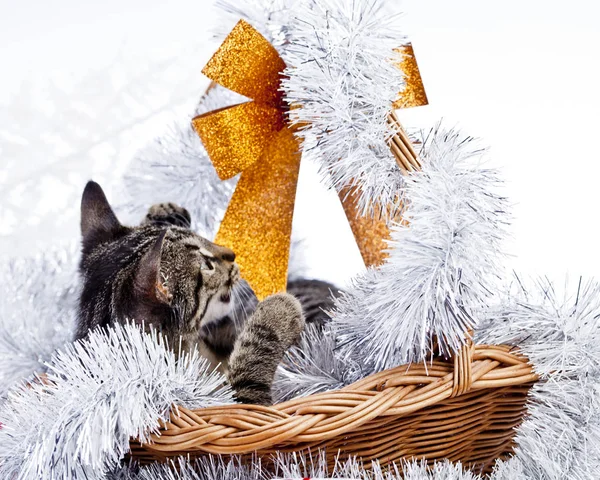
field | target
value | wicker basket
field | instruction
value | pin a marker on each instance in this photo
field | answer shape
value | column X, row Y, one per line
column 464, row 409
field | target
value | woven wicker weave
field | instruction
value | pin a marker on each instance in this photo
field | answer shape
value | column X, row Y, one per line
column 465, row 409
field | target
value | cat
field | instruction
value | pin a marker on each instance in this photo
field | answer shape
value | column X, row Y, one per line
column 163, row 274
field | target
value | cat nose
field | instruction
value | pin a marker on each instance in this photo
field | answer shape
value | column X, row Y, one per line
column 226, row 254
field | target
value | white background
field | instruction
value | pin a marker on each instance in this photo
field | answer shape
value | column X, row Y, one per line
column 521, row 75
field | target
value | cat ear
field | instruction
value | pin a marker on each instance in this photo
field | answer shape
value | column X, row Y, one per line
column 148, row 282
column 98, row 221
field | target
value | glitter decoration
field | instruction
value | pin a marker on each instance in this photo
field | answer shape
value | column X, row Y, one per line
column 253, row 138
column 247, row 64
column 413, row 94
column 236, row 137
column 258, row 221
column 369, row 232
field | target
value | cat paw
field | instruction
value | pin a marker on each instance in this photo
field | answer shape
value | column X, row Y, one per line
column 282, row 314
column 275, row 325
column 168, row 214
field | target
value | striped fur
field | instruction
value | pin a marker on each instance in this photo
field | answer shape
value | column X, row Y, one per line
column 316, row 297
column 275, row 325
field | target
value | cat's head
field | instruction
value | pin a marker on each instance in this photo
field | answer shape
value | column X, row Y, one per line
column 160, row 272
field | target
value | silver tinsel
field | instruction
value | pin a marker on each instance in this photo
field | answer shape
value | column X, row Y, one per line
column 342, row 75
column 176, row 168
column 294, row 466
column 100, row 393
column 561, row 436
column 37, row 312
column 560, row 335
column 441, row 270
column 313, row 366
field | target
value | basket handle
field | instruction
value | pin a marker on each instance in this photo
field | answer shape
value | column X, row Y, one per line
column 401, row 146
column 408, row 161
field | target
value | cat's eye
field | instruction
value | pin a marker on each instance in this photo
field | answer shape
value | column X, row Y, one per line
column 208, row 266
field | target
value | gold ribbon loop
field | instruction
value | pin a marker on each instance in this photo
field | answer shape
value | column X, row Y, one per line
column 247, row 64
column 258, row 222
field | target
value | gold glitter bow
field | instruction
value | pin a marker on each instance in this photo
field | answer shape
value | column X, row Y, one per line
column 253, row 138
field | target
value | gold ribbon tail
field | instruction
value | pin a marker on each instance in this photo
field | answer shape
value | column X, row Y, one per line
column 258, row 221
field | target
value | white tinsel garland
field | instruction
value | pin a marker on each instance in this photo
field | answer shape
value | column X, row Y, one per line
column 442, row 268
column 560, row 336
column 100, row 393
column 343, row 75
column 294, row 466
column 37, row 312
column 560, row 437
column 313, row 366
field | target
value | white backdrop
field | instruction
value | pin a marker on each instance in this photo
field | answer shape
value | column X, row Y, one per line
column 521, row 75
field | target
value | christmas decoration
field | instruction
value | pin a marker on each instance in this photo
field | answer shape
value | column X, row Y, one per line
column 254, row 137
column 561, row 435
column 342, row 115
column 557, row 335
column 296, row 467
column 313, row 366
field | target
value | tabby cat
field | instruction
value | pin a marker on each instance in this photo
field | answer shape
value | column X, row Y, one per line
column 181, row 284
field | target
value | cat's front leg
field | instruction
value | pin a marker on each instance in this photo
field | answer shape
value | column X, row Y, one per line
column 275, row 325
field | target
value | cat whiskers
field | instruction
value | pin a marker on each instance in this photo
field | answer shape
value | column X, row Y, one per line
column 241, row 296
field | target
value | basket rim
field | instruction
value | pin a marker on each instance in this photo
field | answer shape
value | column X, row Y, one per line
column 311, row 420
